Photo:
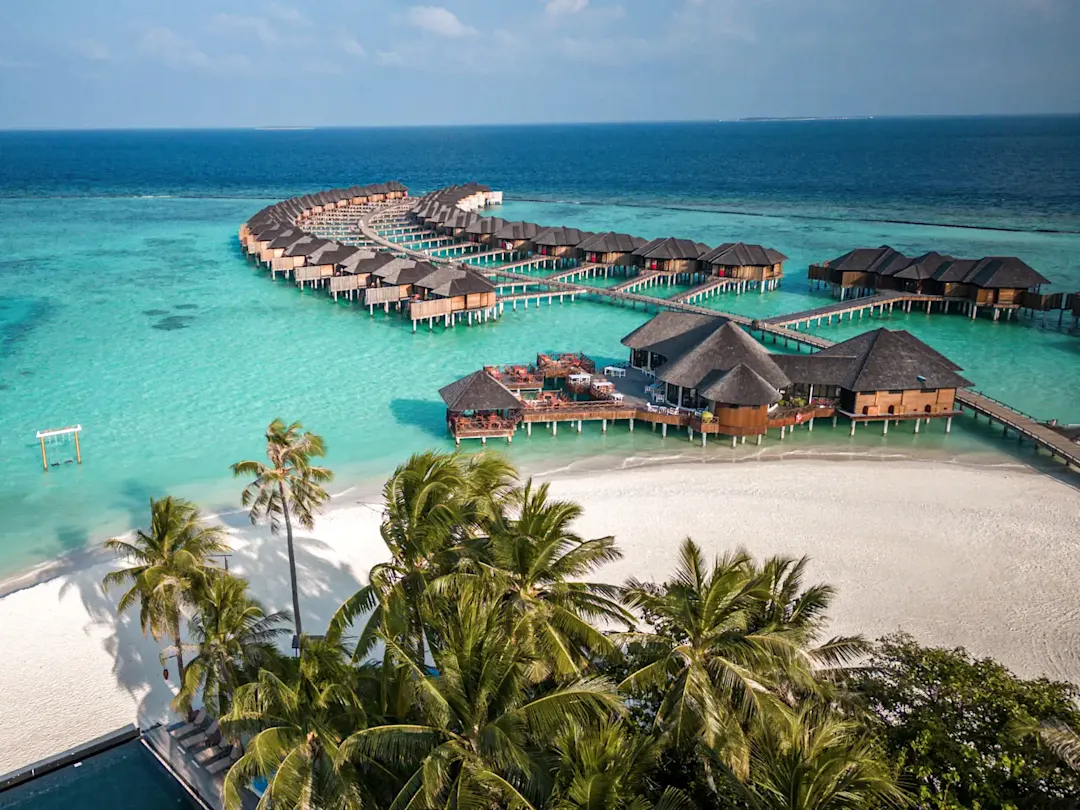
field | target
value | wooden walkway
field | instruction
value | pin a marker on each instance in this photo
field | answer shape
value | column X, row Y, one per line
column 880, row 302
column 706, row 290
column 1026, row 427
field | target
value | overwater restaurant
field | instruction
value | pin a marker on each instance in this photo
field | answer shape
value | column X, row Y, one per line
column 877, row 375
column 481, row 407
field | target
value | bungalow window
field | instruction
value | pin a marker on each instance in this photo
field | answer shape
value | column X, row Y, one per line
column 897, row 391
column 929, row 390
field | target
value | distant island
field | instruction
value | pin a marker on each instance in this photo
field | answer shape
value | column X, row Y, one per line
column 810, row 118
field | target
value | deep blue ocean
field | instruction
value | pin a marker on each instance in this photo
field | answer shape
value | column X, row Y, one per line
column 126, row 306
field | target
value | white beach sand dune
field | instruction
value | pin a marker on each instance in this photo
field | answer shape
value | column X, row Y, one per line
column 983, row 558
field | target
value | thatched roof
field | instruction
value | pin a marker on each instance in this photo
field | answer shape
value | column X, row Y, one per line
column 485, row 225
column 894, row 360
column 612, row 242
column 738, row 386
column 479, row 392
column 1004, row 271
column 366, row 261
column 332, row 253
column 815, row 369
column 305, row 246
column 922, row 267
column 740, row 254
column 668, row 333
column 286, row 238
column 725, row 348
column 673, row 249
column 869, row 260
column 460, row 219
column 446, row 282
column 561, row 237
column 514, row 231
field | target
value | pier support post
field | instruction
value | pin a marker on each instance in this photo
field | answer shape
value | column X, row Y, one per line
column 758, row 439
column 663, row 430
column 631, row 424
column 834, row 420
column 690, row 431
column 528, row 428
column 703, row 439
column 810, row 424
column 917, row 421
column 852, row 432
column 948, row 425
column 554, row 428
column 579, row 426
column 885, row 428
column 783, row 430
column 603, row 425
column 734, row 442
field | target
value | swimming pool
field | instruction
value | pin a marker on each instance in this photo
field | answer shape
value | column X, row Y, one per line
column 127, row 776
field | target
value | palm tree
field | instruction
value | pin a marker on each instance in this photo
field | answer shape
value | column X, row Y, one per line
column 233, row 637
column 1059, row 737
column 476, row 738
column 169, row 563
column 297, row 722
column 713, row 670
column 290, row 485
column 813, row 759
column 602, row 767
column 800, row 612
column 436, row 504
column 537, row 562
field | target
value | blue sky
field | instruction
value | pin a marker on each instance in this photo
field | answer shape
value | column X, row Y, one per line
column 195, row 63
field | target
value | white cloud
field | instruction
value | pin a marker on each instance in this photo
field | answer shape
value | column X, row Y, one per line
column 92, row 50
column 439, row 21
column 172, row 50
column 557, row 7
column 258, row 27
column 389, row 58
column 289, row 15
column 351, row 46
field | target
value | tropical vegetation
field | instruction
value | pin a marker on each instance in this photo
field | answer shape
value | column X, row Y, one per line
column 486, row 664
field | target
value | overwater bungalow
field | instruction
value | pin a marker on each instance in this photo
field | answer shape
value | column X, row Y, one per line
column 295, row 255
column 481, row 407
column 517, row 236
column 455, row 224
column 612, row 248
column 670, row 256
column 998, row 283
column 449, row 290
column 561, row 242
column 759, row 265
column 323, row 262
column 483, row 230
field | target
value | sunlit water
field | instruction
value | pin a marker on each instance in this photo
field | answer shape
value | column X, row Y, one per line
column 139, row 318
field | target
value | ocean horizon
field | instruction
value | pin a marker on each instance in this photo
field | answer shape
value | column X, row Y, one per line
column 128, row 307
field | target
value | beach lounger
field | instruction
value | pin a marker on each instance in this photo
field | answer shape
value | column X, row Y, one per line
column 190, row 728
column 201, row 739
column 208, row 755
column 223, row 764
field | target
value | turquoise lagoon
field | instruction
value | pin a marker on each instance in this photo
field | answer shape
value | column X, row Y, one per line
column 140, row 319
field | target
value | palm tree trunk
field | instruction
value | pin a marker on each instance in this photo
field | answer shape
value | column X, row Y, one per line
column 179, row 655
column 292, row 560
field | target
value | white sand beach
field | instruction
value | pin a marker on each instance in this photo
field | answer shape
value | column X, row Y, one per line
column 983, row 558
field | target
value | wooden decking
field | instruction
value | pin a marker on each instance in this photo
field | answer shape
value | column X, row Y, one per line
column 1026, row 427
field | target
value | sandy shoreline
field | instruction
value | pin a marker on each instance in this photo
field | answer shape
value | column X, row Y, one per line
column 957, row 555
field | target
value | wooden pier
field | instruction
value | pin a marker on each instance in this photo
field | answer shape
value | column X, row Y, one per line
column 778, row 327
